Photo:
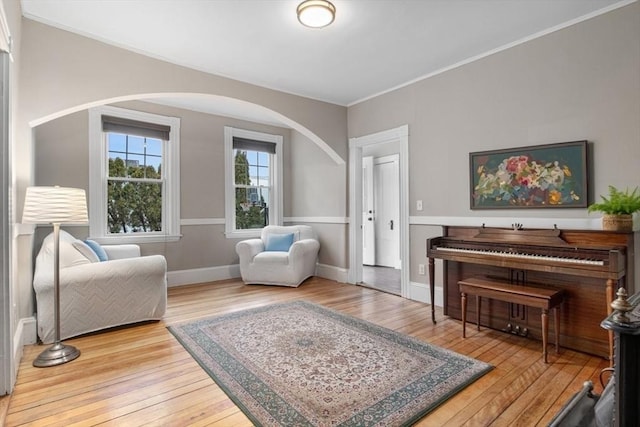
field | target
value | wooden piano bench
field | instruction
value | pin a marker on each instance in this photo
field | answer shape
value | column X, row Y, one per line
column 543, row 298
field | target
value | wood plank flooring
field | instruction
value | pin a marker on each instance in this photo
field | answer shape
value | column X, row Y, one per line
column 141, row 375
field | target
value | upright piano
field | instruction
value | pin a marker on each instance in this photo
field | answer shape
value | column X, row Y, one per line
column 589, row 265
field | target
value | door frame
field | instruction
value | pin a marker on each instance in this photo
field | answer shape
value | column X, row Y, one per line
column 368, row 252
column 7, row 362
column 399, row 135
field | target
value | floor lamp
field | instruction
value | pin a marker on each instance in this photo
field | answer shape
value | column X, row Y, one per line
column 55, row 205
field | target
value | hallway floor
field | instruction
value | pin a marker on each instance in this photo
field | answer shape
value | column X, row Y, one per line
column 386, row 279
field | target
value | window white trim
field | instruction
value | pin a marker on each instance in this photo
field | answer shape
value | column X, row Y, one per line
column 98, row 178
column 276, row 203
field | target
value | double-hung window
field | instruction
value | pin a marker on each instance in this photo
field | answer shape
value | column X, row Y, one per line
column 134, row 176
column 253, row 181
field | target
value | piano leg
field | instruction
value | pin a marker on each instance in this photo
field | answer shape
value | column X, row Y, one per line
column 556, row 328
column 545, row 333
column 432, row 275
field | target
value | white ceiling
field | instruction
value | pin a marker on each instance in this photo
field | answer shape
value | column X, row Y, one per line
column 372, row 47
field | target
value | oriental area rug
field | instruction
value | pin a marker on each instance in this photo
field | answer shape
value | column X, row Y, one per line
column 301, row 364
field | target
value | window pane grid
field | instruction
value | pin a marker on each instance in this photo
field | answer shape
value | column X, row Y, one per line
column 134, row 184
column 252, row 183
column 134, row 207
column 252, row 167
column 134, row 156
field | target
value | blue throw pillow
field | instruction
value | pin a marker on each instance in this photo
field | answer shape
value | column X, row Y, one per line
column 279, row 242
column 99, row 250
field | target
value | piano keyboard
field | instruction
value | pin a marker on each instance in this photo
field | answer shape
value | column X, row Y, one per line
column 524, row 256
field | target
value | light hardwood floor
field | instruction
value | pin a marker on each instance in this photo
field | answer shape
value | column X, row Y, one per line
column 141, row 375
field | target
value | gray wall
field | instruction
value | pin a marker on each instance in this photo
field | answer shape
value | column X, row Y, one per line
column 582, row 82
column 62, row 158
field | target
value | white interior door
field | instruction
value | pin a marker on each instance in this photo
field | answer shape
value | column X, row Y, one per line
column 386, row 182
column 368, row 211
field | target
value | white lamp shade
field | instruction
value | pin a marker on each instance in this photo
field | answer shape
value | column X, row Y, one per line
column 55, row 205
column 316, row 13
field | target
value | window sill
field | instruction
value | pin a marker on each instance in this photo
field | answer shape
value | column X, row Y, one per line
column 244, row 234
column 133, row 238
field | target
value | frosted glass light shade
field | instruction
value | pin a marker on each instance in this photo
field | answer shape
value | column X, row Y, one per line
column 316, row 13
column 55, row 205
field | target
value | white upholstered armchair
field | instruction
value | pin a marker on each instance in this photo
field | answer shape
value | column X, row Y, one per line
column 283, row 255
column 94, row 294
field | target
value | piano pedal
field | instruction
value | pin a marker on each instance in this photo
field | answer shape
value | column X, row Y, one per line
column 517, row 330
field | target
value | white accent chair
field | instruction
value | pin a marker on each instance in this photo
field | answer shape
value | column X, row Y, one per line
column 94, row 294
column 262, row 264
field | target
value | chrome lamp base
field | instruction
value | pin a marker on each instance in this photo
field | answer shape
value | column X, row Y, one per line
column 57, row 354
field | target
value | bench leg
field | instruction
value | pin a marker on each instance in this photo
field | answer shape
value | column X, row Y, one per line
column 478, row 301
column 556, row 328
column 545, row 333
column 464, row 314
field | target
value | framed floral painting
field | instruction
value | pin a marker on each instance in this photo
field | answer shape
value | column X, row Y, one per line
column 540, row 176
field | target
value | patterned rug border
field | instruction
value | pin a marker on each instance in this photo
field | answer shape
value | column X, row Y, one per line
column 346, row 319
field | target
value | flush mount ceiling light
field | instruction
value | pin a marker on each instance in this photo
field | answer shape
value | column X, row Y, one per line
column 316, row 13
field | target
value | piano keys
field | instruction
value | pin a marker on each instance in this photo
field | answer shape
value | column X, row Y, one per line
column 588, row 265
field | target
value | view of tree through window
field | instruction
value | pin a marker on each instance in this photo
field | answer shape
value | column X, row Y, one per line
column 134, row 184
column 252, row 184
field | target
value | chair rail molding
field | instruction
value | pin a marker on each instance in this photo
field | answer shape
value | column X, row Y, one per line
column 528, row 222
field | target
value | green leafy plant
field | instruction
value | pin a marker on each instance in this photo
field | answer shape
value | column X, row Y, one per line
column 618, row 203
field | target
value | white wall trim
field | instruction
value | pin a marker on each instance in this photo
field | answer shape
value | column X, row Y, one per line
column 202, row 221
column 399, row 135
column 23, row 229
column 276, row 178
column 98, row 174
column 5, row 33
column 226, row 272
column 318, row 219
column 25, row 334
column 332, row 272
column 287, row 219
column 380, row 137
column 420, row 292
column 202, row 275
column 527, row 222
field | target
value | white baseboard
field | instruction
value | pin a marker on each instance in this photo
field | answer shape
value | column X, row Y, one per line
column 420, row 292
column 29, row 330
column 225, row 272
column 201, row 275
column 26, row 334
column 332, row 273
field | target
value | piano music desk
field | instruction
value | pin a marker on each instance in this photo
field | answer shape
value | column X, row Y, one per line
column 543, row 298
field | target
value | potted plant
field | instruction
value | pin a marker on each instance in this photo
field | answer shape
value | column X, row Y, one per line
column 618, row 209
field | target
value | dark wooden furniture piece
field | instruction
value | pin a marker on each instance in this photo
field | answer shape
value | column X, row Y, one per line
column 619, row 403
column 531, row 296
column 624, row 322
column 588, row 265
